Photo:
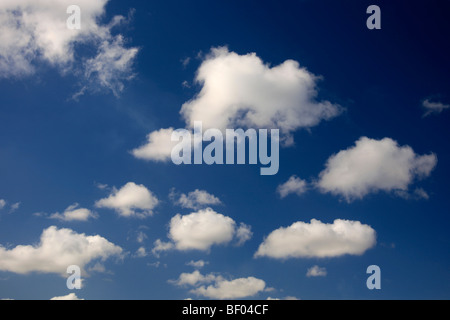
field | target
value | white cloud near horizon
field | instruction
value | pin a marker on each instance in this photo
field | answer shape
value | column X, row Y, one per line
column 433, row 107
column 57, row 249
column 132, row 200
column 294, row 185
column 70, row 296
column 374, row 165
column 215, row 286
column 35, row 33
column 318, row 240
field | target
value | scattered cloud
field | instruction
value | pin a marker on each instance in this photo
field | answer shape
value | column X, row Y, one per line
column 70, row 296
column 73, row 213
column 131, row 200
column 158, row 147
column 200, row 230
column 57, row 249
column 141, row 252
column 316, row 271
column 219, row 287
column 34, row 34
column 160, row 246
column 14, row 207
column 2, row 204
column 374, row 165
column 195, row 200
column 318, row 240
column 433, row 107
column 294, row 185
column 243, row 234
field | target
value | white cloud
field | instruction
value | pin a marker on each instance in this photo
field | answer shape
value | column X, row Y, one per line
column 70, row 296
column 141, row 252
column 220, row 288
column 14, row 207
column 158, row 148
column 131, row 200
column 374, row 165
column 285, row 298
column 317, row 239
column 73, row 213
column 231, row 289
column 196, row 199
column 294, row 185
column 243, row 234
column 34, row 32
column 193, row 279
column 242, row 90
column 200, row 230
column 2, row 204
column 433, row 107
column 197, row 264
column 57, row 249
column 316, row 271
column 160, row 246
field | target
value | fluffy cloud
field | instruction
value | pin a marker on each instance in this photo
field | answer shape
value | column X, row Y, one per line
column 294, row 185
column 36, row 31
column 316, row 271
column 220, row 288
column 317, row 239
column 374, row 165
column 200, row 230
column 242, row 90
column 73, row 213
column 196, row 199
column 158, row 147
column 57, row 249
column 433, row 107
column 70, row 296
column 131, row 200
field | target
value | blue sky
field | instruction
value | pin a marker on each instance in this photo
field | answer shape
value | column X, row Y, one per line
column 74, row 105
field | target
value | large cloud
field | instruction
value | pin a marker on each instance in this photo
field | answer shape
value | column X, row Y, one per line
column 219, row 287
column 202, row 229
column 243, row 90
column 57, row 249
column 131, row 200
column 36, row 31
column 374, row 165
column 317, row 239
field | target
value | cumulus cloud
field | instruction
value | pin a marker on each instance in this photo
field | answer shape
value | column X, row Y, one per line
column 70, row 296
column 219, row 287
column 433, row 107
column 201, row 230
column 243, row 90
column 57, row 249
column 374, row 165
column 141, row 252
column 34, row 32
column 73, row 213
column 317, row 239
column 131, row 200
column 316, row 271
column 195, row 199
column 294, row 185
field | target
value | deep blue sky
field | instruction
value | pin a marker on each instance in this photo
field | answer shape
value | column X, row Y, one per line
column 53, row 150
